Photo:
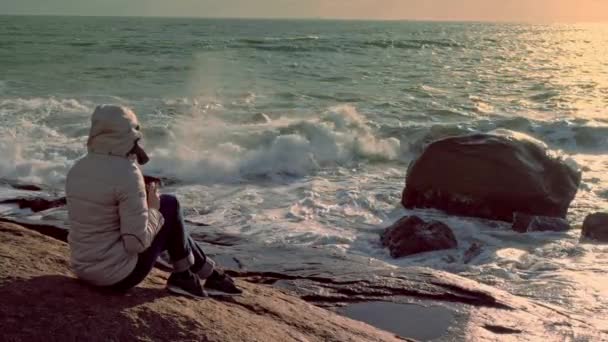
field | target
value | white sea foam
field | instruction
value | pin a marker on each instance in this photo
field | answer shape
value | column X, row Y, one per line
column 32, row 146
column 38, row 108
column 204, row 148
column 23, row 160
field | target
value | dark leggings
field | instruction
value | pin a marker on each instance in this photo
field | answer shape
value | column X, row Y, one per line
column 174, row 239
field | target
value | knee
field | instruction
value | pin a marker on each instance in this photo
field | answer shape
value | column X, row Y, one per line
column 170, row 204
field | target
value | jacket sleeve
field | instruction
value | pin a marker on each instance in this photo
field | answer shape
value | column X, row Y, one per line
column 138, row 224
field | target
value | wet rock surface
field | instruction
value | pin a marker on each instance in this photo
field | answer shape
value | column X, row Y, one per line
column 338, row 281
column 523, row 223
column 36, row 204
column 491, row 176
column 412, row 235
column 474, row 251
column 595, row 227
column 22, row 186
column 419, row 321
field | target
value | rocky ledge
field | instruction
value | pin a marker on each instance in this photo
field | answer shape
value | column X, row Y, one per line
column 42, row 301
column 291, row 294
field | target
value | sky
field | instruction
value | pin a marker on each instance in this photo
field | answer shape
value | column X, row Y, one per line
column 458, row 10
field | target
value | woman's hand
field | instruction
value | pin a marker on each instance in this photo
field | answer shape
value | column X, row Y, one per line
column 153, row 196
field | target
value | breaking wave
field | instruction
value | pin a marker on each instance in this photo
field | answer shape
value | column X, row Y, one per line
column 204, row 150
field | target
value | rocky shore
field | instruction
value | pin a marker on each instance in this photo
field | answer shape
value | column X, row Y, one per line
column 42, row 301
column 314, row 294
column 307, row 297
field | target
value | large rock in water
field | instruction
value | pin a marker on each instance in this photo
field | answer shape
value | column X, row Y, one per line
column 411, row 235
column 491, row 176
column 595, row 227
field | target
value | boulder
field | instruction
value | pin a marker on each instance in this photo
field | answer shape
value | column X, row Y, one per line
column 261, row 118
column 595, row 227
column 528, row 223
column 474, row 251
column 36, row 204
column 411, row 235
column 491, row 176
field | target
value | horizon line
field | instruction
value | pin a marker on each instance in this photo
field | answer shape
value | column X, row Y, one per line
column 438, row 20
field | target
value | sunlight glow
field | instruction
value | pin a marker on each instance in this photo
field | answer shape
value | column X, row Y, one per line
column 458, row 10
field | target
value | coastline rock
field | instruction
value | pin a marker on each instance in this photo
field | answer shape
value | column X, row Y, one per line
column 36, row 204
column 42, row 301
column 50, row 229
column 21, row 186
column 260, row 118
column 27, row 187
column 595, row 227
column 523, row 223
column 471, row 253
column 411, row 235
column 491, row 176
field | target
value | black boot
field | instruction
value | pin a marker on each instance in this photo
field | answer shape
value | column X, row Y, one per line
column 186, row 283
column 220, row 281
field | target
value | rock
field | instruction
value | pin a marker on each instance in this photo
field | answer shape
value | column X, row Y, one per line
column 471, row 253
column 36, row 204
column 22, row 186
column 491, row 176
column 595, row 227
column 411, row 235
column 42, row 301
column 27, row 187
column 55, row 231
column 448, row 259
column 261, row 118
column 527, row 223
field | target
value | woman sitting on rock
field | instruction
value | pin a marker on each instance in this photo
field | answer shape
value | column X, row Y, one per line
column 119, row 225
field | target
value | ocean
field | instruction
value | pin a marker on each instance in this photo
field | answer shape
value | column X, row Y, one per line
column 300, row 132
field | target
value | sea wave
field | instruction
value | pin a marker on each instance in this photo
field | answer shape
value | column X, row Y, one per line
column 585, row 136
column 193, row 141
column 412, row 43
column 35, row 154
column 256, row 41
column 315, row 43
column 202, row 150
column 36, row 106
column 38, row 138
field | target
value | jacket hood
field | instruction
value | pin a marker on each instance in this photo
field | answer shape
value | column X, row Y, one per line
column 114, row 130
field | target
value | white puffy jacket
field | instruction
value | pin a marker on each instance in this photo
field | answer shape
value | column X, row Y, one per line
column 110, row 222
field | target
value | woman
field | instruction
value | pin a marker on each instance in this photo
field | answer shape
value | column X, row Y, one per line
column 119, row 226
